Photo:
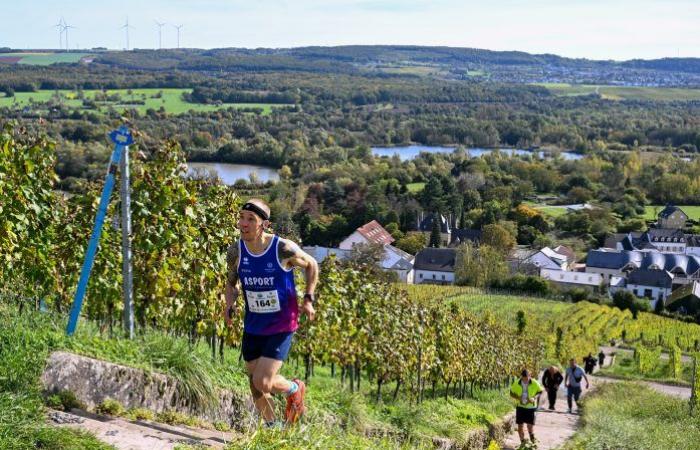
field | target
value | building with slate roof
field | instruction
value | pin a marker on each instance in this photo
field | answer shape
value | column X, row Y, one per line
column 435, row 266
column 425, row 226
column 684, row 268
column 672, row 217
column 460, row 236
column 664, row 240
column 655, row 285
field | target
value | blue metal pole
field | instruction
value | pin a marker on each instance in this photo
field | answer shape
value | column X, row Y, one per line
column 121, row 138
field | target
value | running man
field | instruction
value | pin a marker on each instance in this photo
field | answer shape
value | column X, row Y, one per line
column 261, row 265
column 526, row 390
column 572, row 381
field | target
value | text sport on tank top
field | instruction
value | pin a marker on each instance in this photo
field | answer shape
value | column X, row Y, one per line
column 268, row 290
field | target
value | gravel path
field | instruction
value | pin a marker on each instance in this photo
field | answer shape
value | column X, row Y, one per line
column 552, row 428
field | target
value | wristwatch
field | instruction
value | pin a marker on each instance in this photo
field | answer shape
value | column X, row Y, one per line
column 310, row 297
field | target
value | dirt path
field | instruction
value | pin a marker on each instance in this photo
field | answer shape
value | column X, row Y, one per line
column 552, row 428
column 139, row 435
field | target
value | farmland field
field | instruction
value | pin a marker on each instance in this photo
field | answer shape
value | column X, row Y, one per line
column 43, row 59
column 624, row 92
column 651, row 211
column 415, row 187
column 154, row 98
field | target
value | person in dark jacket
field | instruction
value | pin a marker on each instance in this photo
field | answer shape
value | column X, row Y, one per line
column 551, row 379
column 589, row 363
column 601, row 359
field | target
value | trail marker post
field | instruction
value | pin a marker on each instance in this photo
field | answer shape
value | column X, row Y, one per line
column 122, row 139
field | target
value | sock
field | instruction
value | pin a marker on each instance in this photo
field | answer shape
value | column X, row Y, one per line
column 293, row 388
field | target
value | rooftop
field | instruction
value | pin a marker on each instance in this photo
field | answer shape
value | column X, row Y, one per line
column 436, row 259
column 375, row 233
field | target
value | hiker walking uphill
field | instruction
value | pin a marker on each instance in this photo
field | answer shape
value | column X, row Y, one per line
column 601, row 359
column 526, row 390
column 261, row 264
column 572, row 381
column 589, row 363
column 551, row 380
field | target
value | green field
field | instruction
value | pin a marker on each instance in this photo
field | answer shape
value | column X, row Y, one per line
column 45, row 59
column 170, row 99
column 651, row 211
column 415, row 187
column 552, row 211
column 624, row 92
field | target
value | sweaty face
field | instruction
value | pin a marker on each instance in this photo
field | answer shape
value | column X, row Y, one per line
column 250, row 225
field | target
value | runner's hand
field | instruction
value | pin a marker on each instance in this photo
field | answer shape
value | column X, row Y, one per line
column 308, row 309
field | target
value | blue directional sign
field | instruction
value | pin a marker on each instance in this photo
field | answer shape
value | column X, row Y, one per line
column 121, row 138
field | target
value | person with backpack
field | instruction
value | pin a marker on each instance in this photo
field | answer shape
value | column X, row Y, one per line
column 572, row 381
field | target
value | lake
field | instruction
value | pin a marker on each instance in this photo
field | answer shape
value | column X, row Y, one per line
column 411, row 151
column 229, row 173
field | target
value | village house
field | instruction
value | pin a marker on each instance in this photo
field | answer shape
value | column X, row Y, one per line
column 567, row 280
column 654, row 285
column 672, row 217
column 608, row 263
column 394, row 259
column 435, row 266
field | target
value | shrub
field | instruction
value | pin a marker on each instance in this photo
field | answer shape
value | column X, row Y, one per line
column 675, row 367
column 53, row 401
column 110, row 407
column 222, row 426
column 140, row 414
column 70, row 401
column 646, row 359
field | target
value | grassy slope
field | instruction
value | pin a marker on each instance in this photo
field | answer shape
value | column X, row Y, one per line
column 625, row 368
column 337, row 418
column 624, row 92
column 171, row 100
column 23, row 349
column 693, row 211
column 632, row 416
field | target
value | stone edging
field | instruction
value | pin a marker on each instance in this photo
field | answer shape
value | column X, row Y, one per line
column 92, row 381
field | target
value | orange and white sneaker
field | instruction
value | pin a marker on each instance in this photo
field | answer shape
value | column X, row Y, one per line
column 295, row 403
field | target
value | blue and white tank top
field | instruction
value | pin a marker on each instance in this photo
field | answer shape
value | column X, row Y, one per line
column 268, row 290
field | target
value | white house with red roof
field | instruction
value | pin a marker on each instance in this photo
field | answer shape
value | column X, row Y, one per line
column 395, row 260
column 369, row 233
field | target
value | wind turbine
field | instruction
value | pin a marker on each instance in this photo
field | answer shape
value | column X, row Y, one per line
column 65, row 28
column 60, row 26
column 177, row 27
column 160, row 30
column 126, row 27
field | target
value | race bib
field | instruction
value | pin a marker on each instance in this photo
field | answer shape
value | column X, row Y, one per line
column 263, row 302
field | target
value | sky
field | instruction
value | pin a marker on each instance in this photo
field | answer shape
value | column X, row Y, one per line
column 594, row 29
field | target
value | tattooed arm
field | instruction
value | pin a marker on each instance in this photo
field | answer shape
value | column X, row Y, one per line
column 232, row 284
column 291, row 255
